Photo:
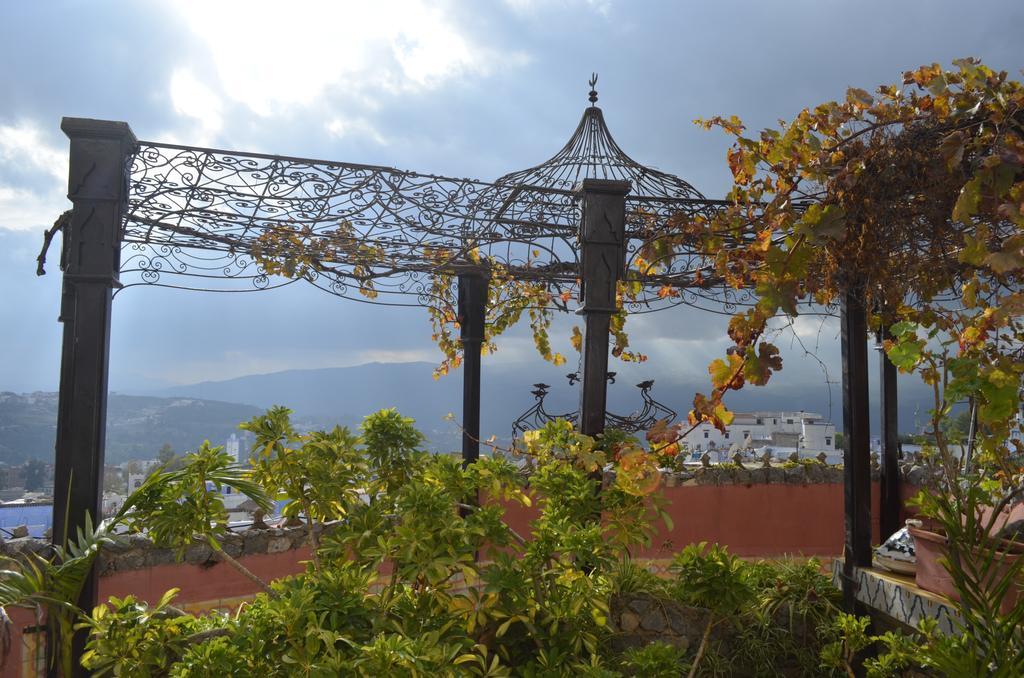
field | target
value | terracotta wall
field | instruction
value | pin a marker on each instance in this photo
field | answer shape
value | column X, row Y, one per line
column 752, row 520
column 203, row 587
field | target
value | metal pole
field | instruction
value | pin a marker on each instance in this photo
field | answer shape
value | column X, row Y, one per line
column 890, row 502
column 856, row 437
column 98, row 189
column 602, row 239
column 472, row 311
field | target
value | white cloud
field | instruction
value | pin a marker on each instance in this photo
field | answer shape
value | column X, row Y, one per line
column 23, row 210
column 680, row 357
column 23, row 144
column 812, row 326
column 273, row 59
column 36, row 197
column 815, row 333
column 356, row 127
column 533, row 6
column 195, row 100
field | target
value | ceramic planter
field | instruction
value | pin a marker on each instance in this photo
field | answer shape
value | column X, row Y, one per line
column 932, row 576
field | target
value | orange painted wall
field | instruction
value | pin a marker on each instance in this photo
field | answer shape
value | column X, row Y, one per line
column 202, row 584
column 752, row 520
column 202, row 588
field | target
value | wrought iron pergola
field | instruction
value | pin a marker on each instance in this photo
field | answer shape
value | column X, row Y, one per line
column 209, row 219
column 147, row 213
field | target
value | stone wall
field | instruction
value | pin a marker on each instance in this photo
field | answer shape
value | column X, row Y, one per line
column 803, row 472
column 137, row 552
column 640, row 618
column 751, row 474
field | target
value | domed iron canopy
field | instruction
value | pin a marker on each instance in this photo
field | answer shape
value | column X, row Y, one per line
column 529, row 219
column 592, row 153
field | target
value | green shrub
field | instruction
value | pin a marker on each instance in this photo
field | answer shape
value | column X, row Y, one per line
column 130, row 638
column 419, row 574
column 654, row 660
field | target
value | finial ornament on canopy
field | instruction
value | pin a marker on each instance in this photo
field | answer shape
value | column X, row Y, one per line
column 593, row 92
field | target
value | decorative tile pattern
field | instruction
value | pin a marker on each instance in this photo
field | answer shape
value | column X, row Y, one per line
column 900, row 598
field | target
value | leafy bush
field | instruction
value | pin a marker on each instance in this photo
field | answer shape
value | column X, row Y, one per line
column 626, row 576
column 419, row 575
column 134, row 639
column 654, row 660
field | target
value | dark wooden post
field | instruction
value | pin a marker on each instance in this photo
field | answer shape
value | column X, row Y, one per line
column 472, row 311
column 890, row 500
column 91, row 257
column 603, row 256
column 856, row 437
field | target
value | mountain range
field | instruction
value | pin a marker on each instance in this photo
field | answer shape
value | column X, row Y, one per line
column 137, row 426
column 183, row 416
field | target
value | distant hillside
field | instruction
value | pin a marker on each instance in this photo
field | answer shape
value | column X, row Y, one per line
column 137, row 426
column 186, row 415
column 346, row 394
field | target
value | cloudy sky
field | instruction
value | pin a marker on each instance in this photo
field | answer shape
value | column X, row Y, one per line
column 464, row 89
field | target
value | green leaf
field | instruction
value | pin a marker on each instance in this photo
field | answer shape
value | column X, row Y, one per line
column 778, row 294
column 974, row 250
column 903, row 327
column 905, row 354
column 1005, row 261
column 967, row 204
column 823, row 223
column 1000, row 401
column 723, row 414
column 721, row 371
column 758, row 366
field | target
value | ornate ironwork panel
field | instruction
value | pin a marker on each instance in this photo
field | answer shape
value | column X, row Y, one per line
column 650, row 412
column 202, row 218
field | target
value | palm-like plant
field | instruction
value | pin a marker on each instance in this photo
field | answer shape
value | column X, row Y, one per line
column 174, row 507
column 992, row 637
column 185, row 505
column 50, row 585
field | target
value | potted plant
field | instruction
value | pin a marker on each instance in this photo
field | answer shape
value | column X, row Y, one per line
column 985, row 535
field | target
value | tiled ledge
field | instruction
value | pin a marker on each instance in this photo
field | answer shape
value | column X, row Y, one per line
column 899, row 597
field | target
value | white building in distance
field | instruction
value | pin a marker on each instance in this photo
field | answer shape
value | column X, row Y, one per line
column 806, row 432
column 233, row 447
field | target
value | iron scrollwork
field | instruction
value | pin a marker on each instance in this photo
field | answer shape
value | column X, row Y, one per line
column 197, row 217
column 537, row 416
column 643, row 419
